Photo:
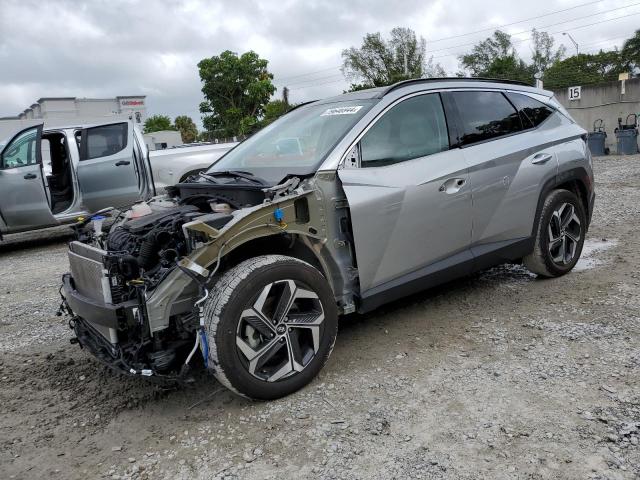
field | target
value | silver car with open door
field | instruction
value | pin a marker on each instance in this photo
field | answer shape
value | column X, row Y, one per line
column 49, row 177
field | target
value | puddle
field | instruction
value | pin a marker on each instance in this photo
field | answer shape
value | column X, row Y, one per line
column 590, row 252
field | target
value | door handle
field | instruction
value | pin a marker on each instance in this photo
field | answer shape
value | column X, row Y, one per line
column 453, row 185
column 541, row 158
column 122, row 162
column 30, row 176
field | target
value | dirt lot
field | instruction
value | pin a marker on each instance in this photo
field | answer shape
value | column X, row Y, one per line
column 496, row 376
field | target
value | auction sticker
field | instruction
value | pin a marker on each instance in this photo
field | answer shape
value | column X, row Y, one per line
column 341, row 110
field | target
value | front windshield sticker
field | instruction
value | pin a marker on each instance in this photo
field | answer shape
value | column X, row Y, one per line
column 341, row 110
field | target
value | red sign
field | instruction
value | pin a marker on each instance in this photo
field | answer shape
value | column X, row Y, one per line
column 131, row 103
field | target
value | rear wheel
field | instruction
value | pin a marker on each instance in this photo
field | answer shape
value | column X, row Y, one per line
column 560, row 235
column 272, row 323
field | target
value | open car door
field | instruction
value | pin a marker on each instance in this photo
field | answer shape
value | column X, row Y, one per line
column 24, row 204
column 108, row 173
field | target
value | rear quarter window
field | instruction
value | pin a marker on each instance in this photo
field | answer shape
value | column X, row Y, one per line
column 485, row 116
column 532, row 111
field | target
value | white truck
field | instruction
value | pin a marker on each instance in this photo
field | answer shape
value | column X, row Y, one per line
column 174, row 165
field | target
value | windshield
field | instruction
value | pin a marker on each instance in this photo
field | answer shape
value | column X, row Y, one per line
column 296, row 143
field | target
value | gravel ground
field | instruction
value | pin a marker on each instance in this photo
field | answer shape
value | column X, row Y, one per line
column 496, row 376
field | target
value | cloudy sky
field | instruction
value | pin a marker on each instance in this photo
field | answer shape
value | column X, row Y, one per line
column 106, row 48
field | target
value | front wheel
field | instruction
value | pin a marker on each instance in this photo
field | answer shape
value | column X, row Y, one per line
column 560, row 235
column 272, row 323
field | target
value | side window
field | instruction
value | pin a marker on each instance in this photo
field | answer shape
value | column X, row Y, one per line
column 103, row 141
column 413, row 128
column 485, row 115
column 532, row 111
column 21, row 151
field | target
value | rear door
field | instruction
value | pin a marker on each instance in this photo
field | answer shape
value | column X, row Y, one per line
column 410, row 198
column 509, row 161
column 108, row 173
column 23, row 200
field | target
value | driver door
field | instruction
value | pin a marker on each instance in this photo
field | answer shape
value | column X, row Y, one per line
column 410, row 199
column 108, row 173
column 23, row 199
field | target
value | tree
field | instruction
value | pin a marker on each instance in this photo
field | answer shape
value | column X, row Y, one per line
column 188, row 129
column 379, row 62
column 542, row 52
column 236, row 90
column 486, row 53
column 631, row 52
column 156, row 123
column 496, row 57
column 276, row 108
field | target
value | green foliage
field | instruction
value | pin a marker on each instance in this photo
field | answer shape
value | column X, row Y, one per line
column 379, row 62
column 273, row 110
column 631, row 52
column 157, row 123
column 187, row 128
column 236, row 90
column 585, row 69
column 486, row 53
column 496, row 57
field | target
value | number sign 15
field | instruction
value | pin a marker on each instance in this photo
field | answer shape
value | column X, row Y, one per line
column 574, row 93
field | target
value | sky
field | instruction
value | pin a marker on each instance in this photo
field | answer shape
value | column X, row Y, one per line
column 105, row 48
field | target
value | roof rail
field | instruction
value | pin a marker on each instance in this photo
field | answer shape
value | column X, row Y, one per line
column 412, row 81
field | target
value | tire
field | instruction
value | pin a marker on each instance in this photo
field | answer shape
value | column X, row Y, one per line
column 247, row 313
column 560, row 235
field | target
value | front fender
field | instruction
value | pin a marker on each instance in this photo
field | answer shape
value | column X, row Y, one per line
column 300, row 214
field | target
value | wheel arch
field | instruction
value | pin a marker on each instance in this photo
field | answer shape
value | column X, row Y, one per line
column 295, row 226
column 576, row 181
column 290, row 245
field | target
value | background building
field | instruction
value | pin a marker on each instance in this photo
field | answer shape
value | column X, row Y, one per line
column 71, row 111
column 608, row 101
column 162, row 139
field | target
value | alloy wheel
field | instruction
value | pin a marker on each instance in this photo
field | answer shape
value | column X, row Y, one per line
column 279, row 333
column 564, row 233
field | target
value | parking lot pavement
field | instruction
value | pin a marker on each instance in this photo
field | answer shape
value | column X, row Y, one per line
column 496, row 376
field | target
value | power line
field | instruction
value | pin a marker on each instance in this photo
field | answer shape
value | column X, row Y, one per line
column 513, row 41
column 551, row 25
column 514, row 23
column 309, row 73
column 319, row 84
column 310, row 80
column 463, row 35
column 520, row 40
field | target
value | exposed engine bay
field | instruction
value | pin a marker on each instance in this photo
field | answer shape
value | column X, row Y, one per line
column 146, row 241
column 121, row 267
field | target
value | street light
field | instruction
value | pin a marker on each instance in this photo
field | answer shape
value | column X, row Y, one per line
column 571, row 38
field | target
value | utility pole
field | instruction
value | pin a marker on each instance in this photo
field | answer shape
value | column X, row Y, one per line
column 574, row 42
column 406, row 64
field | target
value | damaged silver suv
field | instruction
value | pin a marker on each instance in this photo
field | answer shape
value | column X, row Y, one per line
column 339, row 206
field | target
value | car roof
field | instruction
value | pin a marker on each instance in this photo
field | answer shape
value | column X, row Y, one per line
column 65, row 125
column 418, row 84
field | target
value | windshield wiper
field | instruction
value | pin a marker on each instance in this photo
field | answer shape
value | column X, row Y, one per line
column 235, row 174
